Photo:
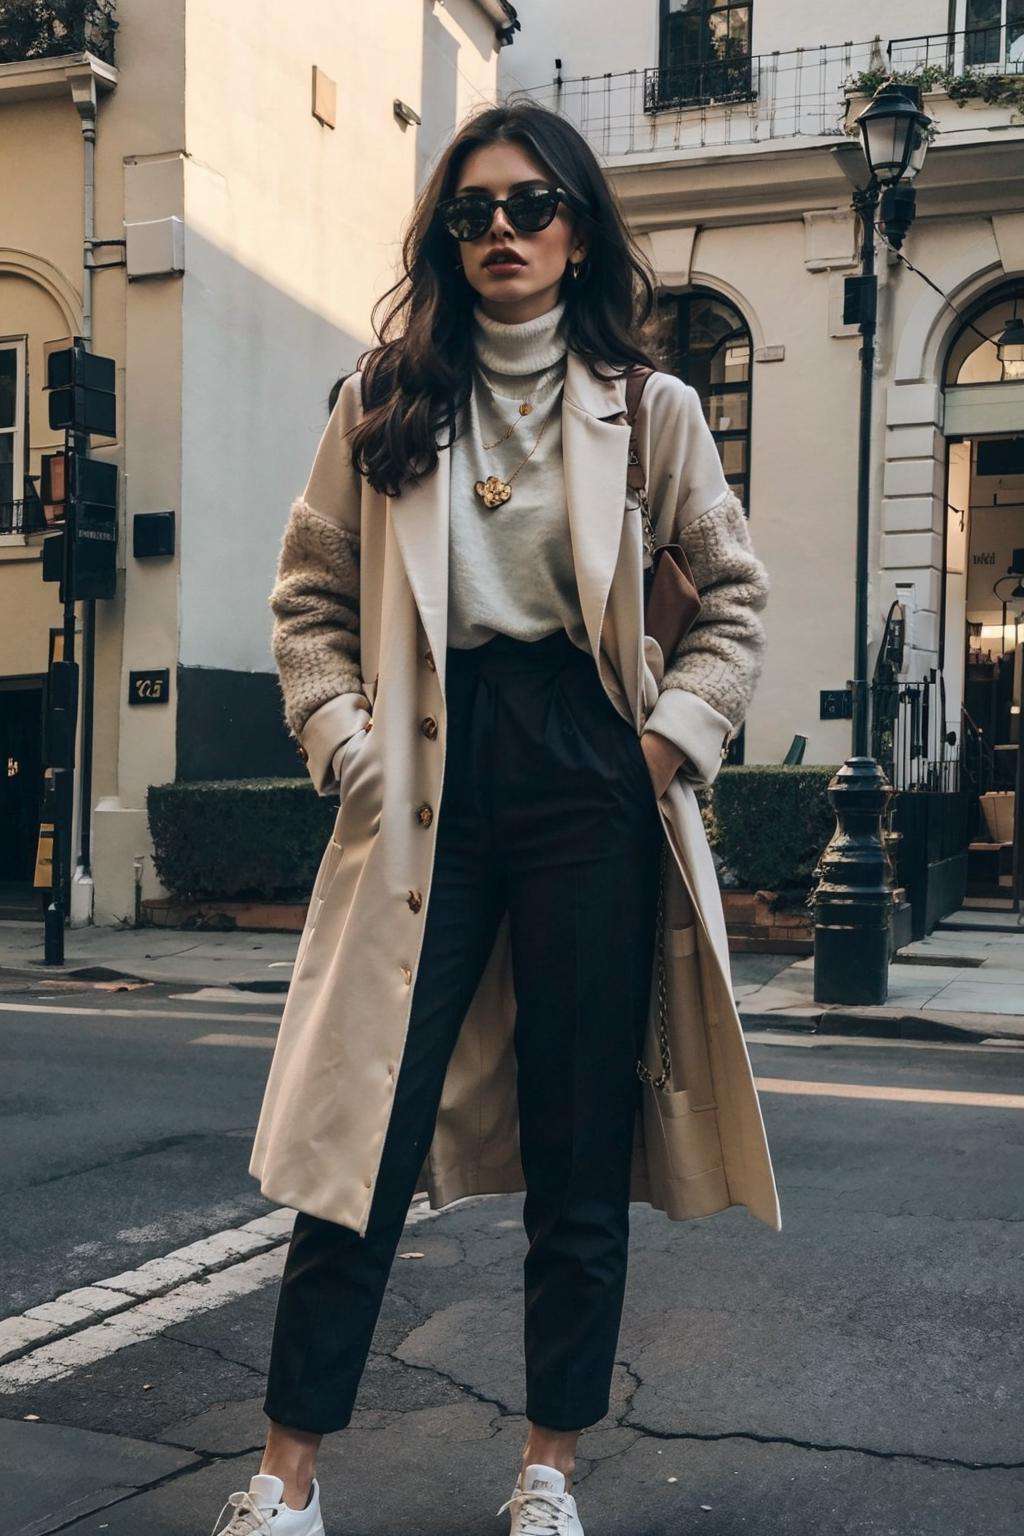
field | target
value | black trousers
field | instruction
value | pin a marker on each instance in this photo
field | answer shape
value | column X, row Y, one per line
column 547, row 811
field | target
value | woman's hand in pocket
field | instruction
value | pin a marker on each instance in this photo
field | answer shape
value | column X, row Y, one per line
column 664, row 759
column 348, row 749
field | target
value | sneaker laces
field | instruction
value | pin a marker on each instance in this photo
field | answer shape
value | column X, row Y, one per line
column 534, row 1519
column 248, row 1518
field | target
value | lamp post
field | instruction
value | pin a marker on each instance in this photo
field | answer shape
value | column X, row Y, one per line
column 853, row 899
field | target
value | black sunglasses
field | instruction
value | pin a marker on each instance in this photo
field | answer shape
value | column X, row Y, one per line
column 468, row 215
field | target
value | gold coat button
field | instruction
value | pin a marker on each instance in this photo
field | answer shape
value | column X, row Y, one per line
column 424, row 814
column 415, row 900
column 406, row 974
column 429, row 727
column 300, row 749
column 429, row 659
column 369, row 725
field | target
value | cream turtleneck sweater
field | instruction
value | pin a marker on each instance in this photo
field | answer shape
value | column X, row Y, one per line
column 510, row 567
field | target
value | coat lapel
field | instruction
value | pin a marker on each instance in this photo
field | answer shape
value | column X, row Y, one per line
column 594, row 450
column 419, row 518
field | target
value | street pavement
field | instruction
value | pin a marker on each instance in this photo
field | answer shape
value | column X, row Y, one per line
column 859, row 1372
column 966, row 977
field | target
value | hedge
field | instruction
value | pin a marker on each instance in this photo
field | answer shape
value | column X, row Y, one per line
column 239, row 839
column 262, row 839
column 770, row 822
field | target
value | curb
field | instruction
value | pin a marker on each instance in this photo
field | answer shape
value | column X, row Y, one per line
column 37, row 971
column 895, row 1025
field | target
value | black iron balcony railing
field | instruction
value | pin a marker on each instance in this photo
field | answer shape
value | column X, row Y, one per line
column 43, row 29
column 994, row 50
column 690, row 85
column 733, row 101
column 21, row 517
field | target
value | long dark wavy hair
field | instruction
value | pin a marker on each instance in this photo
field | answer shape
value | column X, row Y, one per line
column 419, row 375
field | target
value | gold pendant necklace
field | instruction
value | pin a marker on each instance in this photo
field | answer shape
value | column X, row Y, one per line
column 494, row 491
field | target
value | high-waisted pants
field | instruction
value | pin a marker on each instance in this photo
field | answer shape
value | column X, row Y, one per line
column 547, row 812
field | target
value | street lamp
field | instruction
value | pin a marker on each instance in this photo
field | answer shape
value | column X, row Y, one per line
column 1015, row 596
column 853, row 898
column 1010, row 348
column 894, row 134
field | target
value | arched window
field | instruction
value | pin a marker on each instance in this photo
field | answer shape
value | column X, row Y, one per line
column 971, row 358
column 704, row 339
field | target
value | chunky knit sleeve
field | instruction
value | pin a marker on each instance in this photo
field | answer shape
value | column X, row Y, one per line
column 315, row 602
column 708, row 682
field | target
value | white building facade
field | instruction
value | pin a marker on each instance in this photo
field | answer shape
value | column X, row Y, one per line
column 724, row 127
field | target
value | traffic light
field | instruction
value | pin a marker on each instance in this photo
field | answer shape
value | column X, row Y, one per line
column 53, row 487
column 79, row 494
column 94, row 532
column 81, row 390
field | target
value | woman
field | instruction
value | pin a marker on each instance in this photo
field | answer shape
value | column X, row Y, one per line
column 462, row 577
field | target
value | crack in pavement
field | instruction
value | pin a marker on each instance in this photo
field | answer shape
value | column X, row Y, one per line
column 131, row 1155
column 203, row 1459
column 210, row 1349
column 504, row 1411
column 826, row 1447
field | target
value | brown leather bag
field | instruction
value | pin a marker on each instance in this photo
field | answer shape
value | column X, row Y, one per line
column 671, row 599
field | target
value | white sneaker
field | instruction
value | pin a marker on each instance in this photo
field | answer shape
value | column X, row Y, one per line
column 261, row 1511
column 540, row 1505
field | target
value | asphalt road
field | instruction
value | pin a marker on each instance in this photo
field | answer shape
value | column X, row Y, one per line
column 860, row 1372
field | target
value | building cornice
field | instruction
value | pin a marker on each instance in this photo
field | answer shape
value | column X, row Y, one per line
column 768, row 183
column 30, row 79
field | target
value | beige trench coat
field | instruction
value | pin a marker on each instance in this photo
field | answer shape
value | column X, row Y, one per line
column 700, row 1144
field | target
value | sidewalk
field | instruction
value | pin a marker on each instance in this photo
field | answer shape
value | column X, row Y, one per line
column 965, row 978
column 183, row 955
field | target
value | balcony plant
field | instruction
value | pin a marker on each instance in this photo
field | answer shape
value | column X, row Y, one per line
column 41, row 29
column 968, row 86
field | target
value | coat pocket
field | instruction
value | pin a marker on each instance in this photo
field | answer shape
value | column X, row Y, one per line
column 360, row 783
column 681, row 1142
column 691, row 1069
column 329, row 861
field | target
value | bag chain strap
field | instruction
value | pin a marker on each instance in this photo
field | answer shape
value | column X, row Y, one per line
column 643, row 1071
column 638, row 483
column 637, row 480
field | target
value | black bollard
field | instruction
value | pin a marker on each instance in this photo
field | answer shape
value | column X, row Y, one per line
column 853, row 899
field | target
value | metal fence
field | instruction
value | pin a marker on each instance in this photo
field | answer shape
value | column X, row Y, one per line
column 910, row 734
column 21, row 517
column 768, row 96
column 990, row 50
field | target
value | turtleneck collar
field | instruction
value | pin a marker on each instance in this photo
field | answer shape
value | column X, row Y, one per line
column 524, row 347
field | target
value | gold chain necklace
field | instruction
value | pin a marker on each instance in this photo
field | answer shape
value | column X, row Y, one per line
column 524, row 408
column 495, row 492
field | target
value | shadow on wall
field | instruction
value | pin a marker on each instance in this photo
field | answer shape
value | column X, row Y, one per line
column 261, row 374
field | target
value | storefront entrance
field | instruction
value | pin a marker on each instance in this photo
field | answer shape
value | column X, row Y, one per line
column 983, row 598
column 21, row 788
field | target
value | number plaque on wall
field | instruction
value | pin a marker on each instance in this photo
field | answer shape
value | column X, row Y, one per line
column 149, row 687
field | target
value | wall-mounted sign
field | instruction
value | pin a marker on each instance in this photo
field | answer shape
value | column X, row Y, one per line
column 149, row 687
column 836, row 704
